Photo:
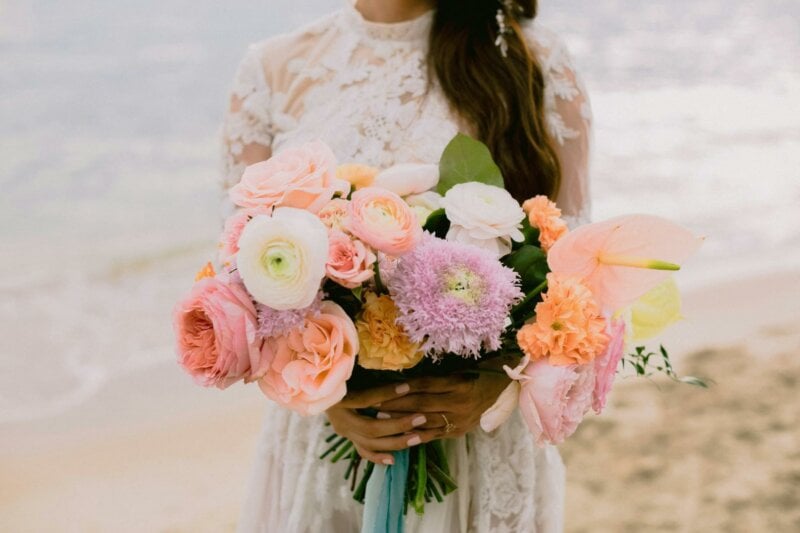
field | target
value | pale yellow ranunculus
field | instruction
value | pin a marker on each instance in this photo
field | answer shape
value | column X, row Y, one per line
column 359, row 176
column 657, row 309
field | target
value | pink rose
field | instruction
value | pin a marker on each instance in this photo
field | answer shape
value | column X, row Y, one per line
column 302, row 177
column 336, row 214
column 605, row 366
column 384, row 221
column 215, row 327
column 229, row 243
column 307, row 369
column 554, row 399
column 350, row 263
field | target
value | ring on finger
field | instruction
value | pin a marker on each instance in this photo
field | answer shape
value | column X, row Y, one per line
column 449, row 427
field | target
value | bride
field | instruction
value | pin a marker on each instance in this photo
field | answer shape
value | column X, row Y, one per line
column 389, row 81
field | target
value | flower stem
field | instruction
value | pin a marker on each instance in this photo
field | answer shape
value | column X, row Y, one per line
column 379, row 287
column 529, row 297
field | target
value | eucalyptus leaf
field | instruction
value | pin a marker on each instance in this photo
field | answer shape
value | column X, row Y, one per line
column 466, row 159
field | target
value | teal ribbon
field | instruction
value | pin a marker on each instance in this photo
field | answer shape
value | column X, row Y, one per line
column 384, row 502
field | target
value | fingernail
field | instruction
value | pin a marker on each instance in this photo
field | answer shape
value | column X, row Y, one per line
column 383, row 416
column 418, row 421
column 402, row 388
column 413, row 441
column 388, row 462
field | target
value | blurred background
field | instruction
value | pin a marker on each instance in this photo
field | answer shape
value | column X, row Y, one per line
column 109, row 159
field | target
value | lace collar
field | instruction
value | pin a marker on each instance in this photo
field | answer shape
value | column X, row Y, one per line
column 416, row 29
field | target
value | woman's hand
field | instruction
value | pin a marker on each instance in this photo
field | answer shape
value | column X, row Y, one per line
column 457, row 400
column 373, row 437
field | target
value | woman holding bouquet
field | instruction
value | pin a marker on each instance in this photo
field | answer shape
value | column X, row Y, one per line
column 386, row 81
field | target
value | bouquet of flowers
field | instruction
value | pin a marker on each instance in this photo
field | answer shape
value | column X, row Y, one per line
column 335, row 278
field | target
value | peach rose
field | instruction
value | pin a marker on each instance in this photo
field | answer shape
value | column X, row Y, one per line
column 384, row 221
column 307, row 369
column 303, row 177
column 553, row 400
column 336, row 214
column 229, row 243
column 568, row 328
column 544, row 215
column 215, row 327
column 359, row 176
column 350, row 263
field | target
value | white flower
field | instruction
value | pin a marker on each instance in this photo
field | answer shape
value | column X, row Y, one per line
column 483, row 215
column 407, row 179
column 282, row 258
column 424, row 204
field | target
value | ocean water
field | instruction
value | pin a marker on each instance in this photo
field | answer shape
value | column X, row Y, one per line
column 108, row 157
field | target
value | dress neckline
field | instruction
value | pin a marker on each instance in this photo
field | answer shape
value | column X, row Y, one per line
column 416, row 29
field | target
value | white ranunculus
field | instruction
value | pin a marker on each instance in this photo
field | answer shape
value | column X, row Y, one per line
column 282, row 258
column 407, row 179
column 424, row 204
column 483, row 215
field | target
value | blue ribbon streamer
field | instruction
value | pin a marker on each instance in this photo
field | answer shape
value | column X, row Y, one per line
column 384, row 502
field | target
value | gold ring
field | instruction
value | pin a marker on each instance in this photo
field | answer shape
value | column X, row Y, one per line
column 449, row 427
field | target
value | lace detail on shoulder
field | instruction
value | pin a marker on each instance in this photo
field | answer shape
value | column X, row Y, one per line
column 249, row 118
column 569, row 119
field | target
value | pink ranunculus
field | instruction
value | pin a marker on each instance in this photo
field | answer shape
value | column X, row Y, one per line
column 215, row 327
column 553, row 399
column 307, row 369
column 350, row 262
column 303, row 177
column 229, row 243
column 384, row 221
column 605, row 366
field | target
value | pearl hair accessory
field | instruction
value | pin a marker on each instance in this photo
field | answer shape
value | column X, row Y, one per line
column 503, row 29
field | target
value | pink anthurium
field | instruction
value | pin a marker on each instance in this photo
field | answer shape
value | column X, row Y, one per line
column 622, row 258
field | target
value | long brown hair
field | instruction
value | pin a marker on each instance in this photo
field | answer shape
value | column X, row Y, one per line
column 502, row 97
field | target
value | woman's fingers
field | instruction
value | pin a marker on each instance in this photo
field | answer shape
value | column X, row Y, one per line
column 442, row 384
column 401, row 442
column 385, row 427
column 375, row 457
column 373, row 397
column 432, row 420
column 422, row 403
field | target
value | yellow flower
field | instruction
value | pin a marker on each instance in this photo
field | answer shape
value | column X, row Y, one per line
column 384, row 343
column 359, row 176
column 206, row 272
column 656, row 310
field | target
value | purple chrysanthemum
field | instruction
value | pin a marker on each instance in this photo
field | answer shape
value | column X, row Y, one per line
column 274, row 323
column 453, row 297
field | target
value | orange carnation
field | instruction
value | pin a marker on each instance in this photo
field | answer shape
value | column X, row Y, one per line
column 568, row 329
column 546, row 216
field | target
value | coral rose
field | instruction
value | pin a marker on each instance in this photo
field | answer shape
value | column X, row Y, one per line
column 546, row 217
column 215, row 327
column 384, row 343
column 553, row 400
column 568, row 328
column 350, row 263
column 384, row 221
column 307, row 369
column 303, row 177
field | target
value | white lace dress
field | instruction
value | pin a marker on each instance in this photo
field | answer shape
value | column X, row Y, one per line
column 363, row 88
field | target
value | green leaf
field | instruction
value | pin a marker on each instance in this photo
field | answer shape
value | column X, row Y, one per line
column 466, row 159
column 691, row 380
column 530, row 262
column 437, row 224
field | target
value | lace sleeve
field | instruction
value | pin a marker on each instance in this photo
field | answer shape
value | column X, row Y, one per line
column 569, row 119
column 247, row 128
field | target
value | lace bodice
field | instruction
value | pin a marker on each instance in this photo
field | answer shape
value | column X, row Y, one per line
column 363, row 88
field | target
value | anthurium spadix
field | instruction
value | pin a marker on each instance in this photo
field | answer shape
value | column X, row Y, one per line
column 621, row 259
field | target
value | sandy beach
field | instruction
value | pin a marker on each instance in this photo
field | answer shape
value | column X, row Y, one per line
column 154, row 453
